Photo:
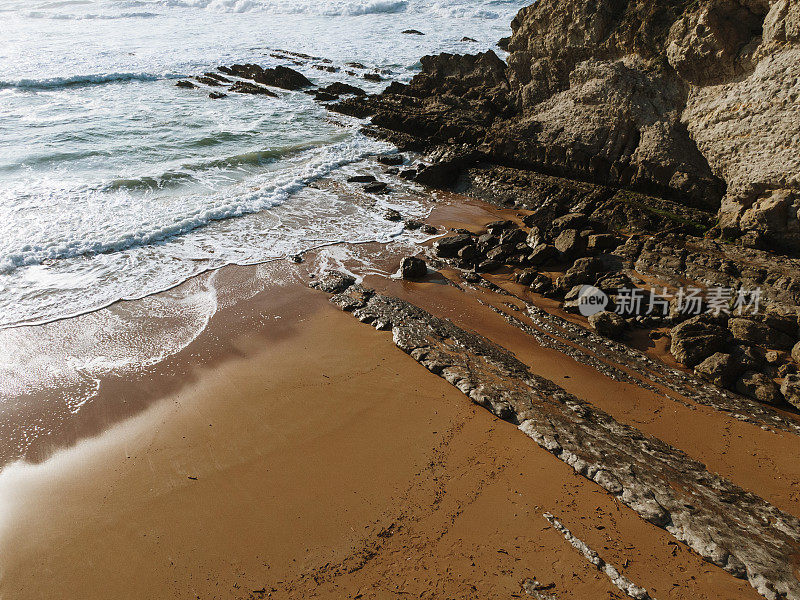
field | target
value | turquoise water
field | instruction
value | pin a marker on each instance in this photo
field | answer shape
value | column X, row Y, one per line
column 116, row 184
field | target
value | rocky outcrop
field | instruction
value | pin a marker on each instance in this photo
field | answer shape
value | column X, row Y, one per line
column 692, row 101
column 731, row 528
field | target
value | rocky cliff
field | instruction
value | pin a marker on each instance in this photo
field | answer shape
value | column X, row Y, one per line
column 695, row 101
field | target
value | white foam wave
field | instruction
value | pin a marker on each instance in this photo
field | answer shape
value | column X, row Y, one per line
column 89, row 16
column 331, row 8
column 122, row 236
column 81, row 80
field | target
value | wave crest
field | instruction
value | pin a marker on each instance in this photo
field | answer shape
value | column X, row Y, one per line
column 82, row 80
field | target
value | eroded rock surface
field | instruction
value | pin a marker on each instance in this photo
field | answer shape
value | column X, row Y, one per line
column 732, row 528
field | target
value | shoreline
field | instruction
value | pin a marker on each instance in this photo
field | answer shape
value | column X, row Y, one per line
column 260, row 351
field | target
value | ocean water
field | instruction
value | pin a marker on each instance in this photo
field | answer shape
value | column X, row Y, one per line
column 115, row 184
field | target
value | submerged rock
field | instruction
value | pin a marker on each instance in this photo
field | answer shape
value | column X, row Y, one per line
column 243, row 87
column 280, row 76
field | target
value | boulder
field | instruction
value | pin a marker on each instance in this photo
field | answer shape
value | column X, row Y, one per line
column 448, row 247
column 392, row 215
column 412, row 32
column 280, row 76
column 217, row 95
column 361, row 179
column 608, row 324
column 541, row 284
column 570, row 243
column 790, row 388
column 325, row 97
column 569, row 221
column 542, row 254
column 601, row 242
column 342, row 89
column 468, row 254
column 758, row 387
column 392, row 159
column 243, row 87
column 696, row 339
column 796, row 352
column 185, row 84
column 535, row 237
column 758, row 333
column 412, row 268
column 334, row 282
column 720, row 368
column 376, row 187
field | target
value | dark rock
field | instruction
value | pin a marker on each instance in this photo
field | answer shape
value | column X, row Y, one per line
column 413, row 224
column 361, row 179
column 513, row 236
column 372, row 77
column 377, row 187
column 696, row 339
column 489, row 265
column 796, row 352
column 217, row 77
column 503, row 43
column 409, row 174
column 412, row 267
column 500, row 253
column 391, row 159
column 608, row 324
column 570, row 243
column 569, row 221
column 209, row 81
column 535, row 237
column 601, row 242
column 448, row 247
column 392, row 215
column 325, row 97
column 429, row 229
column 413, row 32
column 280, row 76
column 526, row 277
column 296, row 259
column 185, row 84
column 333, row 282
column 468, row 39
column 542, row 284
column 790, row 388
column 720, row 369
column 758, row 387
column 243, row 87
column 468, row 254
column 343, row 89
column 217, row 95
column 542, row 254
column 498, row 227
column 756, row 332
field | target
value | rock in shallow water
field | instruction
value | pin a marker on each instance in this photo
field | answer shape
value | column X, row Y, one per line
column 412, row 268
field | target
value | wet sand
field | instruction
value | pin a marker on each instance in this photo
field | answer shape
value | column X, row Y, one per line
column 292, row 452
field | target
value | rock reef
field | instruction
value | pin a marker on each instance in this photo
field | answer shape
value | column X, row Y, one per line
column 695, row 102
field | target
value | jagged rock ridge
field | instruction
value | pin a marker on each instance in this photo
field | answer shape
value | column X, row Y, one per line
column 696, row 101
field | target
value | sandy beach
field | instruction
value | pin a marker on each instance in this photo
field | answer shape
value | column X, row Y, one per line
column 292, row 452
